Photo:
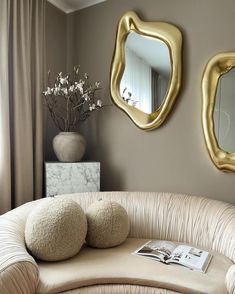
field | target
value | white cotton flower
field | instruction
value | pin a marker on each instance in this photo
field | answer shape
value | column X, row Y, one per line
column 71, row 88
column 65, row 91
column 92, row 107
column 64, row 81
column 49, row 91
column 99, row 103
column 56, row 91
column 86, row 97
column 79, row 87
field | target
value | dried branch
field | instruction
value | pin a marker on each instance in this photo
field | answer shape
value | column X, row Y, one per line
column 71, row 101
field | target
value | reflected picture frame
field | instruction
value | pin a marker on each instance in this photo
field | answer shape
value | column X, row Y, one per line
column 217, row 66
column 172, row 37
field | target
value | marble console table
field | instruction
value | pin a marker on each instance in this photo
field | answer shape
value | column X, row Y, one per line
column 65, row 178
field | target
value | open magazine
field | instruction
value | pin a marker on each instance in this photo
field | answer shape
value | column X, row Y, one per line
column 168, row 252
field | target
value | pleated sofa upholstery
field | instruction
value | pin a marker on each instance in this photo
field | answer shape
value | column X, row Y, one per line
column 205, row 223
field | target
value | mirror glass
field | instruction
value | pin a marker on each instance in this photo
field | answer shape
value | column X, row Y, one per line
column 224, row 111
column 147, row 72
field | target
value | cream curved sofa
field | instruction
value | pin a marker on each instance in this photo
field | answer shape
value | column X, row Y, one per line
column 206, row 223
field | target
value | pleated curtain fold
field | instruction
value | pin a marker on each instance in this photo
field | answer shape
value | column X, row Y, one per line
column 22, row 72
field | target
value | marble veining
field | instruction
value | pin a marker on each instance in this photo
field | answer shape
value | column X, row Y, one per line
column 65, row 178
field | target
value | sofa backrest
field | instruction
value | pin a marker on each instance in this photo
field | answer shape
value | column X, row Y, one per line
column 203, row 222
column 199, row 221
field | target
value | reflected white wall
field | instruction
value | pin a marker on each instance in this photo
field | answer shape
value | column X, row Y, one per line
column 137, row 80
column 224, row 113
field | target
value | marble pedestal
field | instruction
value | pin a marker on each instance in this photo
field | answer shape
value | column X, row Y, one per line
column 65, row 178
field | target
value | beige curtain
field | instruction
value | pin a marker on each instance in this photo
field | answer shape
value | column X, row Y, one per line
column 21, row 103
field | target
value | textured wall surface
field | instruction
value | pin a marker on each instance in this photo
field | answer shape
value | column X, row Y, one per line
column 172, row 158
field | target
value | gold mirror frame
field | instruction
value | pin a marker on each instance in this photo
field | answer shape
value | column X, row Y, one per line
column 217, row 66
column 172, row 37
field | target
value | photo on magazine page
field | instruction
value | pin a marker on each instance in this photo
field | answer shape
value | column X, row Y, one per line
column 160, row 250
column 191, row 257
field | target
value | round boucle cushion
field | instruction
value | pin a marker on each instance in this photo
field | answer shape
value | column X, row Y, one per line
column 108, row 224
column 55, row 229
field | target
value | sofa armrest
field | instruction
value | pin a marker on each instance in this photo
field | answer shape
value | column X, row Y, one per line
column 19, row 278
column 230, row 279
column 18, row 270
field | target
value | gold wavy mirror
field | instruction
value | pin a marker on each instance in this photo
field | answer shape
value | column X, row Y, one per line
column 146, row 70
column 218, row 109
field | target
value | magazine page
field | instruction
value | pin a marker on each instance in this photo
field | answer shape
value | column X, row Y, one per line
column 191, row 257
column 160, row 250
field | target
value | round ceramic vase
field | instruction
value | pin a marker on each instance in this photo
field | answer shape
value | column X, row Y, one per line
column 69, row 146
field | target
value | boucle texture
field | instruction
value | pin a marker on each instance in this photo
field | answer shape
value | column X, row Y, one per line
column 55, row 229
column 108, row 224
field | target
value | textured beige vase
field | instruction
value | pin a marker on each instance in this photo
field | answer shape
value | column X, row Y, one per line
column 69, row 146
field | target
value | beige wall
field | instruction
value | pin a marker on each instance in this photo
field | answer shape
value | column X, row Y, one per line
column 172, row 158
column 56, row 61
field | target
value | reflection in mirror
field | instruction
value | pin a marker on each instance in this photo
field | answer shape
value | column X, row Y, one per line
column 224, row 111
column 147, row 72
column 218, row 109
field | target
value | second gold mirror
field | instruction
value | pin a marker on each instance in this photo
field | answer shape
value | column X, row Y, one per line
column 146, row 70
column 218, row 109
